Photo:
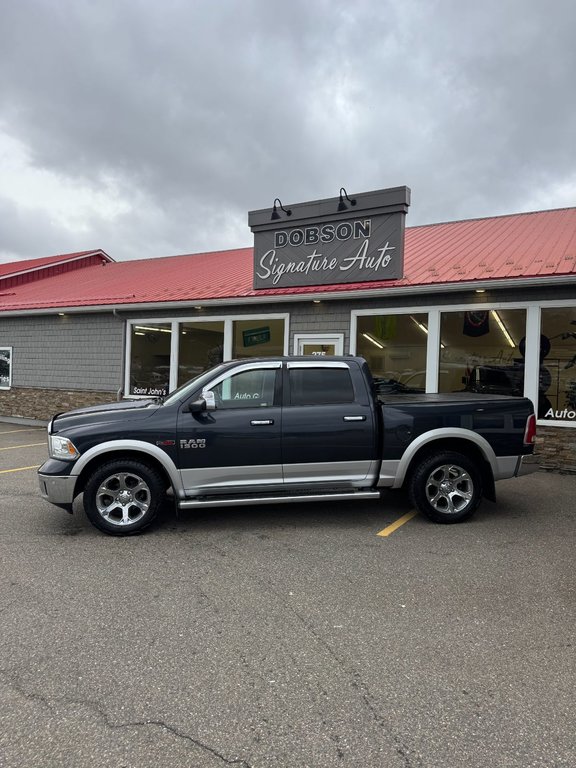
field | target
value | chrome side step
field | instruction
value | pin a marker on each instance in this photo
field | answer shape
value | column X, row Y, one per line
column 243, row 501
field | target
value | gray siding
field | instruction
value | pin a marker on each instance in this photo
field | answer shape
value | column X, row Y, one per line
column 86, row 351
column 76, row 351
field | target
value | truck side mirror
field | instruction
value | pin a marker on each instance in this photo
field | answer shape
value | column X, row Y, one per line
column 210, row 399
column 197, row 406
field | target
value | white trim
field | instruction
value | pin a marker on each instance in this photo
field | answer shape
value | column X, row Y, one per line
column 10, row 350
column 433, row 351
column 228, row 339
column 174, row 355
column 127, row 356
column 532, row 354
column 210, row 318
column 352, row 346
column 546, row 423
column 319, row 338
column 451, row 307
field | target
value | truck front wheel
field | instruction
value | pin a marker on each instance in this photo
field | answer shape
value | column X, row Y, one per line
column 123, row 496
column 446, row 487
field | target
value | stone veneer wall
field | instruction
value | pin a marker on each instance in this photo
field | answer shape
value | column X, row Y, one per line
column 556, row 449
column 42, row 404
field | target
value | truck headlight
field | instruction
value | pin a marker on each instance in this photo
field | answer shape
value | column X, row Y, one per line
column 62, row 448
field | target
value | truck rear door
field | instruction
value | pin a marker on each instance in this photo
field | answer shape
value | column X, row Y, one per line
column 328, row 425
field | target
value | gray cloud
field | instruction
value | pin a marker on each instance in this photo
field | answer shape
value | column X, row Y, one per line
column 202, row 111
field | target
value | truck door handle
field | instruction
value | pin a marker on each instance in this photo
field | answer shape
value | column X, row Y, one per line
column 261, row 422
column 354, row 418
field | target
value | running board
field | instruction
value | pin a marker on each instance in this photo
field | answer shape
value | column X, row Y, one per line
column 247, row 501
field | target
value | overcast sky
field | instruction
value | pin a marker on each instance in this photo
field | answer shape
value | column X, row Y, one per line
column 150, row 128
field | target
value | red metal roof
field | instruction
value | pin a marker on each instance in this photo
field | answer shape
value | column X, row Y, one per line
column 29, row 265
column 525, row 245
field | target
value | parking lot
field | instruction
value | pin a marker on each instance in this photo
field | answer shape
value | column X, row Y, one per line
column 287, row 636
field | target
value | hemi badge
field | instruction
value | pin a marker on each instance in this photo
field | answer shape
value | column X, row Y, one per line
column 165, row 442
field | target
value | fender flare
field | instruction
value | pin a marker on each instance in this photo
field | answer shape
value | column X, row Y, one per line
column 442, row 434
column 139, row 446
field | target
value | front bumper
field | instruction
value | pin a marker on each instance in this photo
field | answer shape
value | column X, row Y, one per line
column 57, row 489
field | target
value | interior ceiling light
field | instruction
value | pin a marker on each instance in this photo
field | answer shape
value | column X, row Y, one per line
column 425, row 329
column 503, row 328
column 275, row 214
column 419, row 324
column 150, row 328
column 315, row 301
column 373, row 340
column 480, row 290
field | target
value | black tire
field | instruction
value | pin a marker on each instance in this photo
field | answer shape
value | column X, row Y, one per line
column 446, row 487
column 123, row 496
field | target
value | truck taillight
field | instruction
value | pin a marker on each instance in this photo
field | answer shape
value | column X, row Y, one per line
column 530, row 431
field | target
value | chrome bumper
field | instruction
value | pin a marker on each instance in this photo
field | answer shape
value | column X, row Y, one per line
column 527, row 465
column 57, row 490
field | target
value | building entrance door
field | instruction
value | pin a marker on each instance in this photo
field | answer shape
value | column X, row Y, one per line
column 319, row 345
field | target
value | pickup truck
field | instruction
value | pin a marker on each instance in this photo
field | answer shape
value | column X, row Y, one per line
column 286, row 429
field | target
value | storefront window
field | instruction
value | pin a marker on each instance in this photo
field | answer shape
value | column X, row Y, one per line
column 483, row 351
column 557, row 398
column 150, row 359
column 257, row 338
column 395, row 348
column 5, row 367
column 200, row 346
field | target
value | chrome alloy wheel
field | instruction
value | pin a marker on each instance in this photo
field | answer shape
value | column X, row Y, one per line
column 123, row 498
column 449, row 489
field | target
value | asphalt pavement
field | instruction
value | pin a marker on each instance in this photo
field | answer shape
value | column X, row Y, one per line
column 291, row 636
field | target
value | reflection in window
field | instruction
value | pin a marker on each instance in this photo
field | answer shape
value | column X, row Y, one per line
column 557, row 399
column 395, row 348
column 150, row 359
column 257, row 338
column 248, row 389
column 200, row 346
column 483, row 351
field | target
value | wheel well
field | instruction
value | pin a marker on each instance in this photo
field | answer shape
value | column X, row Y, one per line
column 459, row 445
column 97, row 461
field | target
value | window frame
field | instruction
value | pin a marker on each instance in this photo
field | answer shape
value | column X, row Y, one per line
column 10, row 351
column 175, row 322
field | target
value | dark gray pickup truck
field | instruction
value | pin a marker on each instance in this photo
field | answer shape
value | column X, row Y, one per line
column 290, row 429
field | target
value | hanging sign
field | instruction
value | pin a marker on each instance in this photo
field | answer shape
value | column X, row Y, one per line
column 328, row 242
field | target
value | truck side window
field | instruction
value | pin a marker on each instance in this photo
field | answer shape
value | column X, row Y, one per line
column 248, row 389
column 317, row 386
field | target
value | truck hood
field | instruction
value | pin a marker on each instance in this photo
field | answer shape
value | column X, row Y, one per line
column 125, row 410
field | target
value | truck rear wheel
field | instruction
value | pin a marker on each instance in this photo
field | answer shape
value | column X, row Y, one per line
column 123, row 496
column 446, row 487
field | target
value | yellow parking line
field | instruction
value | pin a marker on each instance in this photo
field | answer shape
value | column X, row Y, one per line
column 18, row 469
column 401, row 520
column 15, row 447
column 32, row 429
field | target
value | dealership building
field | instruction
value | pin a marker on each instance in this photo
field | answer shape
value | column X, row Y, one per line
column 483, row 305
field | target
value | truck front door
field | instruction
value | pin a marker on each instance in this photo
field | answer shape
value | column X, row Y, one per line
column 237, row 445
